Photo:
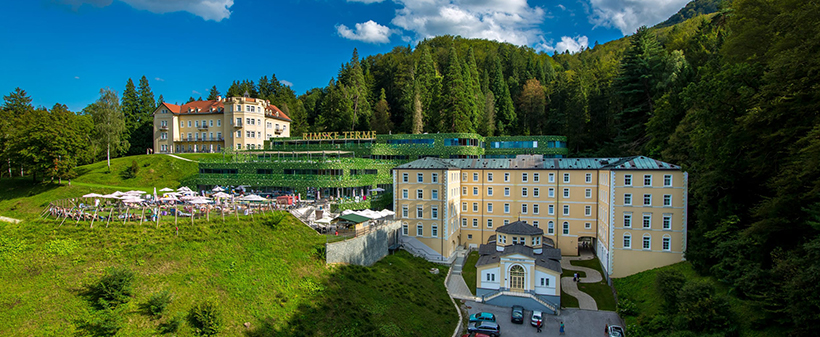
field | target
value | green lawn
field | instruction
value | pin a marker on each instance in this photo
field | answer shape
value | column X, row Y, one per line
column 469, row 271
column 272, row 277
column 200, row 156
column 640, row 289
column 601, row 291
column 568, row 301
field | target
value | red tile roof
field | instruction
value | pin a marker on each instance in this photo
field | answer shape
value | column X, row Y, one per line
column 273, row 111
column 203, row 106
column 173, row 107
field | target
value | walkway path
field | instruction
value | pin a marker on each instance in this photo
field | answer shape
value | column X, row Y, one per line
column 11, row 220
column 180, row 158
column 456, row 285
column 570, row 287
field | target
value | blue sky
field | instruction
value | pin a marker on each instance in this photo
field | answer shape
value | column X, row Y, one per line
column 64, row 51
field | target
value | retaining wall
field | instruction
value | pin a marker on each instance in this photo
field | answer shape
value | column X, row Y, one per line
column 367, row 249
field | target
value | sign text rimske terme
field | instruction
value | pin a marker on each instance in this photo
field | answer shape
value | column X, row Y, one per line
column 339, row 135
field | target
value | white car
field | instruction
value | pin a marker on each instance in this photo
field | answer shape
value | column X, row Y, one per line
column 615, row 331
column 536, row 316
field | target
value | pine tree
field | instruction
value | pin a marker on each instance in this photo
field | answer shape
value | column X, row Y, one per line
column 146, row 100
column 130, row 107
column 454, row 101
column 160, row 100
column 381, row 115
column 357, row 92
column 487, row 128
column 213, row 94
column 427, row 85
column 337, row 109
column 473, row 81
column 504, row 109
column 15, row 106
column 418, row 115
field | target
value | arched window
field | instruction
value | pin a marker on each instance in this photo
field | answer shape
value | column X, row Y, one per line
column 667, row 242
column 647, row 241
column 566, row 228
column 550, row 227
column 517, row 277
column 627, row 240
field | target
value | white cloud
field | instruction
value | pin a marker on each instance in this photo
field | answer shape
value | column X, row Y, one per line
column 562, row 7
column 215, row 10
column 573, row 44
column 370, row 32
column 628, row 15
column 76, row 77
column 196, row 92
column 513, row 21
column 159, row 79
column 287, row 83
column 366, row 1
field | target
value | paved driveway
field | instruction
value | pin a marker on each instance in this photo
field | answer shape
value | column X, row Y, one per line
column 577, row 322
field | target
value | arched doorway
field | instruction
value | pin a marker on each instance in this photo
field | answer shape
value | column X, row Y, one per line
column 517, row 278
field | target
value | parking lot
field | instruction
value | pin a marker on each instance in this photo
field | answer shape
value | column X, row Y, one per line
column 577, row 322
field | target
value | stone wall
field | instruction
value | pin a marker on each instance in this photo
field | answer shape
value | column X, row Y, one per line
column 367, row 249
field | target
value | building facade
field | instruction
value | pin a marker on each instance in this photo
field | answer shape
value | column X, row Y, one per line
column 239, row 123
column 632, row 211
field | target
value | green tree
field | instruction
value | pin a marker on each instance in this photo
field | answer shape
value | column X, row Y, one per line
column 381, row 115
column 130, row 106
column 15, row 105
column 454, row 100
column 532, row 105
column 504, row 110
column 109, row 123
column 337, row 109
column 213, row 94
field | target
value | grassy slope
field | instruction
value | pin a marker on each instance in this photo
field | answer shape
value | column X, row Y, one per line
column 640, row 289
column 270, row 277
column 469, row 271
column 600, row 291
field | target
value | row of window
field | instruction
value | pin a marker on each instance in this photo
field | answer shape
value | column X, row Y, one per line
column 647, row 199
column 209, row 123
column 405, row 230
column 525, row 192
column 405, row 212
column 666, row 242
column 545, row 282
column 647, row 180
column 536, row 209
column 667, row 178
column 419, row 194
column 646, row 220
column 535, row 240
column 550, row 225
column 199, row 148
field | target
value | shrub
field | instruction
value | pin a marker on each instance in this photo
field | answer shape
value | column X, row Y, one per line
column 113, row 288
column 206, row 318
column 668, row 283
column 700, row 311
column 131, row 172
column 105, row 322
column 627, row 307
column 158, row 302
column 171, row 326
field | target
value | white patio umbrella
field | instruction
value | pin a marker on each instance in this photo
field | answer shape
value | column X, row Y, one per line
column 377, row 189
column 118, row 193
column 199, row 201
column 169, row 198
column 221, row 195
column 110, row 196
column 184, row 189
column 132, row 199
column 217, row 189
column 166, row 190
column 93, row 195
column 253, row 197
column 135, row 192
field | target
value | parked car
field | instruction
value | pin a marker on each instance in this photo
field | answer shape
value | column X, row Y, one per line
column 536, row 316
column 482, row 316
column 615, row 331
column 517, row 314
column 475, row 334
column 485, row 327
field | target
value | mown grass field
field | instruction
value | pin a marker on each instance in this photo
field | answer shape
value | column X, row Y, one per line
column 273, row 277
column 640, row 289
column 469, row 271
column 600, row 291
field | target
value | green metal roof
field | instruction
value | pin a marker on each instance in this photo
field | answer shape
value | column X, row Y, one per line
column 537, row 162
column 354, row 218
column 428, row 163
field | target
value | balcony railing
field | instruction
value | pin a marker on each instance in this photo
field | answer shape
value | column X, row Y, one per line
column 202, row 127
column 278, row 130
column 201, row 139
column 163, row 127
column 236, row 125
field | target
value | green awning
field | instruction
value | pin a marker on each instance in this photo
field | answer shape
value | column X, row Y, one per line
column 353, row 218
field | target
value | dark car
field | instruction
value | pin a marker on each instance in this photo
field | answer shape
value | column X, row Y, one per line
column 482, row 316
column 517, row 314
column 489, row 328
column 475, row 334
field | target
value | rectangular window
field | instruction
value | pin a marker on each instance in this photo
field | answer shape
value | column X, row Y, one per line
column 587, row 225
column 419, row 194
column 489, row 176
column 566, row 193
column 524, row 177
column 566, row 177
column 189, row 124
column 489, row 191
column 475, row 207
column 463, row 222
column 524, row 208
column 627, row 241
column 419, row 212
column 536, row 177
column 647, row 180
column 667, row 200
column 588, row 193
column 535, row 209
column 218, row 122
column 627, row 180
column 464, row 176
column 551, row 178
column 475, row 176
column 434, row 212
column 566, row 209
column 434, row 194
column 405, row 194
column 464, row 190
column 647, row 200
column 647, row 242
column 210, row 122
column 475, row 190
column 535, row 224
column 506, row 222
column 506, row 191
column 489, row 207
column 420, row 177
column 469, row 236
column 551, row 209
column 566, row 228
column 588, row 178
column 667, row 243
column 506, row 177
column 667, row 180
column 628, row 220
column 475, row 222
column 647, row 220
column 405, row 212
column 627, row 199
column 489, row 223
column 667, row 221
column 434, row 177
column 434, row 231
column 551, row 192
column 405, row 229
column 405, row 177
column 535, row 192
column 463, row 206
column 506, row 208
column 419, row 230
column 524, row 192
column 588, row 210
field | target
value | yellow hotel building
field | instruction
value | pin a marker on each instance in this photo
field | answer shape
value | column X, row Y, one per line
column 631, row 211
column 240, row 123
